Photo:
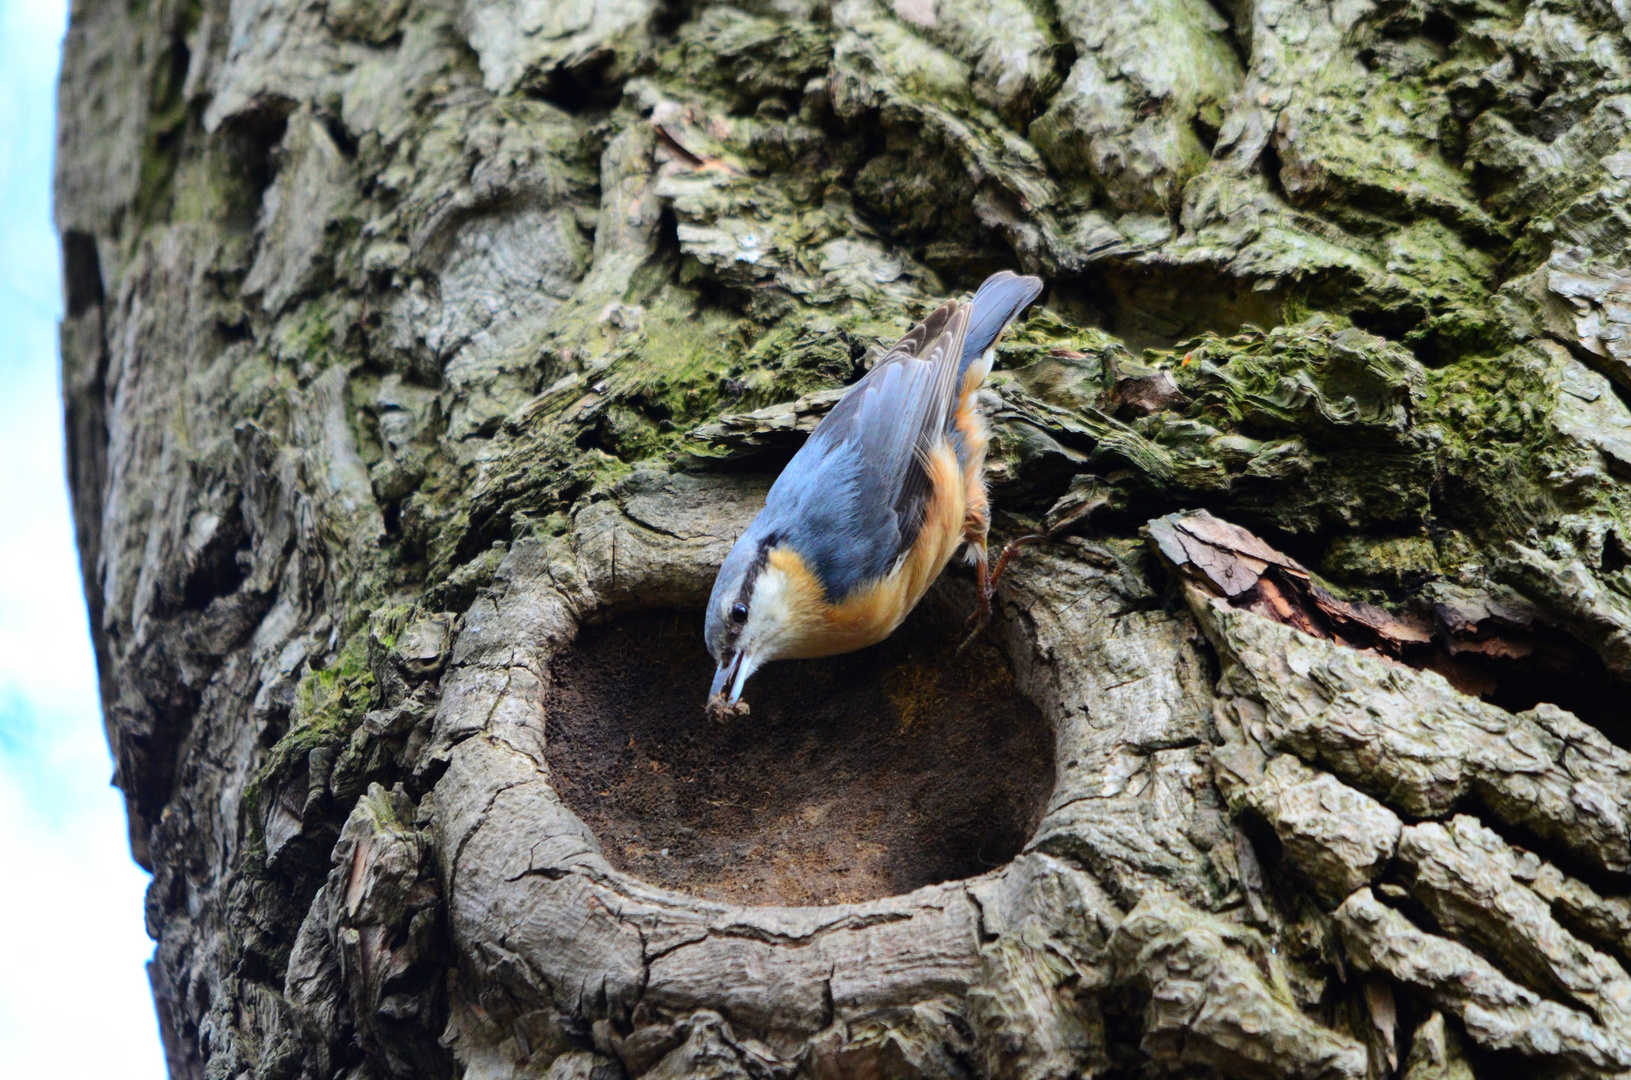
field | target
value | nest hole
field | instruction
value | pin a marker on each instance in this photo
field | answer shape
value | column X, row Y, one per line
column 854, row 777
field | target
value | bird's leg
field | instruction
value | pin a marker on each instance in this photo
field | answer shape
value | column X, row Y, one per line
column 974, row 532
column 976, row 528
column 982, row 579
column 976, row 525
column 1009, row 550
column 981, row 616
column 985, row 583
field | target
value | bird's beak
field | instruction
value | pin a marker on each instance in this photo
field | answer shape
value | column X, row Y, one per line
column 725, row 675
column 732, row 675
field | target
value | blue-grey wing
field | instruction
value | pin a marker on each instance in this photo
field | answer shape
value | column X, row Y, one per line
column 1001, row 298
column 853, row 499
column 827, row 508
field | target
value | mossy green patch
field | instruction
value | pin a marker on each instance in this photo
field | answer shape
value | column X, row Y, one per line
column 1316, row 378
column 1300, row 428
column 684, row 361
column 329, row 706
column 748, row 58
column 1505, row 465
column 310, row 338
column 167, row 119
column 1395, row 562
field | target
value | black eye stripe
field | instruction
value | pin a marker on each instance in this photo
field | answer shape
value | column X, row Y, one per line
column 745, row 593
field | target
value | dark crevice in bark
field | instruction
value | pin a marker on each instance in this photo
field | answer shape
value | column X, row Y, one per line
column 1124, row 1006
column 1585, row 688
column 85, row 437
column 1150, row 309
column 1229, row 12
column 1268, row 164
column 258, row 135
column 582, row 90
column 1475, row 803
column 149, row 761
column 1514, row 667
column 82, row 276
column 1064, row 54
column 168, row 121
column 342, row 138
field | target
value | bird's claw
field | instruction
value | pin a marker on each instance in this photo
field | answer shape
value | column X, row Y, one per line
column 987, row 586
column 980, row 620
column 977, row 620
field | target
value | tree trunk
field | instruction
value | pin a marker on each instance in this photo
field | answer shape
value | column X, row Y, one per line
column 423, row 357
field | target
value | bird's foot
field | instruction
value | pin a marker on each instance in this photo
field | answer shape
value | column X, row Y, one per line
column 976, row 622
column 1009, row 550
column 980, row 620
column 986, row 587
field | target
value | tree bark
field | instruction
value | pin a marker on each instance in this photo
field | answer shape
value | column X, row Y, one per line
column 413, row 347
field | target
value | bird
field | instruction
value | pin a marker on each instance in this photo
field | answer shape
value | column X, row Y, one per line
column 872, row 507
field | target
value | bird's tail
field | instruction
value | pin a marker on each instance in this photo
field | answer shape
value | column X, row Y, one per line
column 1000, row 300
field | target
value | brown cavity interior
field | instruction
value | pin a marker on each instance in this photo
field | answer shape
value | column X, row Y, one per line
column 854, row 777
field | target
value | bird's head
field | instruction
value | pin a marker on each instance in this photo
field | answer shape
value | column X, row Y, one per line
column 751, row 616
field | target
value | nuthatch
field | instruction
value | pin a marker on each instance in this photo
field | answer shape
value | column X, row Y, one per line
column 873, row 506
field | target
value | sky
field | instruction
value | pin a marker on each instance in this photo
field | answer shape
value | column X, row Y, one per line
column 74, row 997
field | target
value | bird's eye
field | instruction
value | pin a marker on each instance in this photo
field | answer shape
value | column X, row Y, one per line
column 739, row 613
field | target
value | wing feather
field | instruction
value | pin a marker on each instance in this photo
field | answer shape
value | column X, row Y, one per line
column 900, row 410
column 852, row 500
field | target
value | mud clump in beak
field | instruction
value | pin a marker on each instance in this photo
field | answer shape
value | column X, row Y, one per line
column 724, row 697
column 722, row 710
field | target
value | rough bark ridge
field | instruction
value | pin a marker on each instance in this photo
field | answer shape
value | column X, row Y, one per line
column 405, row 337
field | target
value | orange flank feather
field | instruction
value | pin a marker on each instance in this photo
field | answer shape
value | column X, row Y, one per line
column 971, row 426
column 974, row 441
column 872, row 612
